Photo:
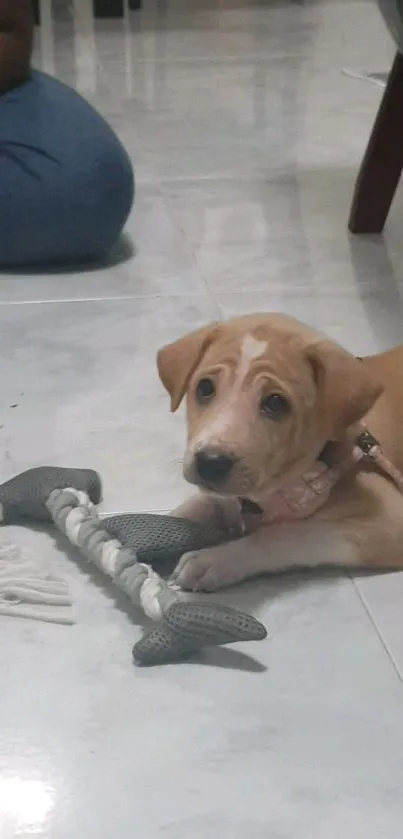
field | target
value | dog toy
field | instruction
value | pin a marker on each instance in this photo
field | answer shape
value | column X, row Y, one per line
column 122, row 547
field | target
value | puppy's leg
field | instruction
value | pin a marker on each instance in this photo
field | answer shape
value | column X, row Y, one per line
column 223, row 514
column 280, row 547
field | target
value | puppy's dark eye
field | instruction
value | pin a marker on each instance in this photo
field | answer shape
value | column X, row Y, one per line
column 274, row 406
column 205, row 389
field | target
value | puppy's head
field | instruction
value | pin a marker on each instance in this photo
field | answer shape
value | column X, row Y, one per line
column 264, row 394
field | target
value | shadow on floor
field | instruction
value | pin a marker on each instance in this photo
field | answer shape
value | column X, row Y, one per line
column 120, row 253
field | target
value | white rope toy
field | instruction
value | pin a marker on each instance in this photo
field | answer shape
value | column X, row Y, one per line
column 29, row 592
column 75, row 515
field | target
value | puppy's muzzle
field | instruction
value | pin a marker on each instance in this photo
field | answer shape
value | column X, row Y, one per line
column 213, row 467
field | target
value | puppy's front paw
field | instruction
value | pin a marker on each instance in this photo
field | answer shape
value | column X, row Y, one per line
column 201, row 571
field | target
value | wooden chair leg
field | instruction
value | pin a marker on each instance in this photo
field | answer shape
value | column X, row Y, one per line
column 383, row 160
column 36, row 10
column 108, row 8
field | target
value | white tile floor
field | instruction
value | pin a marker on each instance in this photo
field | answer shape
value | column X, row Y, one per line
column 246, row 138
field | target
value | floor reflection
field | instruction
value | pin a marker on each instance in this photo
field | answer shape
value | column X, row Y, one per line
column 24, row 805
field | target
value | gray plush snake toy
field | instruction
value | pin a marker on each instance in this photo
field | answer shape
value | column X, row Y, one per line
column 123, row 547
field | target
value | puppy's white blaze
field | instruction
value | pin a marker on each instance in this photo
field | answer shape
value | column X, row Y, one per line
column 251, row 348
column 215, row 429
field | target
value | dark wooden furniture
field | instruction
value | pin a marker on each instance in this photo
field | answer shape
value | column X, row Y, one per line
column 382, row 163
column 108, row 8
column 35, row 5
column 102, row 8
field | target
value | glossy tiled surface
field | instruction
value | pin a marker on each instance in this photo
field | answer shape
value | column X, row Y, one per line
column 246, row 138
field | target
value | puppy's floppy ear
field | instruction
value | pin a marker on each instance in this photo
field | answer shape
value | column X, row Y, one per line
column 176, row 362
column 346, row 388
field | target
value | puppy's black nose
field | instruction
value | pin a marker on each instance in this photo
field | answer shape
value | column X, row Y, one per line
column 213, row 467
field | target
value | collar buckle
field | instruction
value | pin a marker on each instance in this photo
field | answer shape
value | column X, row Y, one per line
column 367, row 442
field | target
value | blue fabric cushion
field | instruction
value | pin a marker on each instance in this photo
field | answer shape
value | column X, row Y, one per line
column 66, row 182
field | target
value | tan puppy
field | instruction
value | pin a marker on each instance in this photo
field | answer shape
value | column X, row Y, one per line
column 267, row 397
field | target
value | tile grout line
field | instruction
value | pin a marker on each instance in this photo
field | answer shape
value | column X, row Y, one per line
column 192, row 248
column 49, row 300
column 205, row 289
column 382, row 640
